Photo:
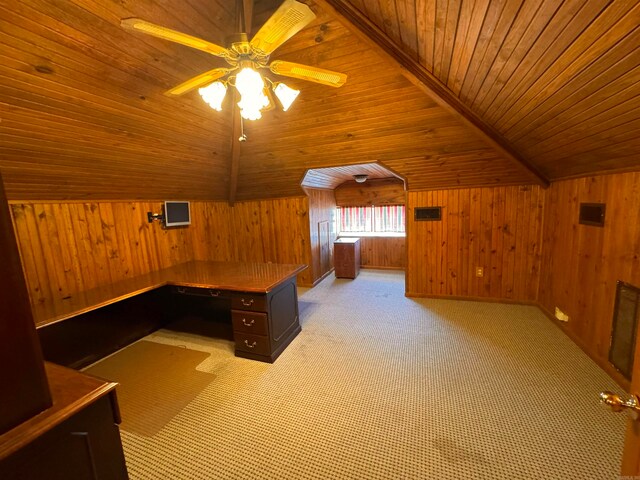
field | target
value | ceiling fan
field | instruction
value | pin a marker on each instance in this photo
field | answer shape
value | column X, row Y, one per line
column 245, row 59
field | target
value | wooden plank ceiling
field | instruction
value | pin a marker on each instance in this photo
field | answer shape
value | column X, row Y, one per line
column 330, row 177
column 559, row 80
column 83, row 115
column 82, row 109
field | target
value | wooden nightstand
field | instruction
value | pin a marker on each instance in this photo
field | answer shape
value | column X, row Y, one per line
column 346, row 257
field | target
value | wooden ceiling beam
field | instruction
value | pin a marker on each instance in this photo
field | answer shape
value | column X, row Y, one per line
column 235, row 149
column 247, row 15
column 244, row 12
column 371, row 35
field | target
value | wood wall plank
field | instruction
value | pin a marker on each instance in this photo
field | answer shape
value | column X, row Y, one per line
column 273, row 231
column 384, row 191
column 498, row 229
column 213, row 231
column 70, row 247
column 322, row 208
column 383, row 252
column 581, row 264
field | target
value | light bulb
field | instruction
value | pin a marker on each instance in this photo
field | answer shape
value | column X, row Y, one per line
column 214, row 94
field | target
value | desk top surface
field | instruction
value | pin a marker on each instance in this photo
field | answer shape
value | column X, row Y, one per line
column 71, row 391
column 233, row 276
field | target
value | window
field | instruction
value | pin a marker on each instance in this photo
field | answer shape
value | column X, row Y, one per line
column 382, row 219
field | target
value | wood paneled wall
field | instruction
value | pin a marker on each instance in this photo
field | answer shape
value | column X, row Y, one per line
column 498, row 229
column 322, row 211
column 274, row 230
column 383, row 252
column 71, row 247
column 377, row 191
column 581, row 263
column 212, row 231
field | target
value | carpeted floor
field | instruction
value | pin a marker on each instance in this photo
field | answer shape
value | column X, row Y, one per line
column 379, row 386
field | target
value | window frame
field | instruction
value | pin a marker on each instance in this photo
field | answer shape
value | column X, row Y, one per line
column 372, row 222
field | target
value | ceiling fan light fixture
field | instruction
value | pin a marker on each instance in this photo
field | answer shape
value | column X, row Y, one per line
column 214, row 94
column 250, row 85
column 250, row 113
column 250, row 108
column 285, row 94
column 246, row 58
column 361, row 177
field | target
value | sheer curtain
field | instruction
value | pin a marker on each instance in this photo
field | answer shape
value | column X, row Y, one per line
column 372, row 219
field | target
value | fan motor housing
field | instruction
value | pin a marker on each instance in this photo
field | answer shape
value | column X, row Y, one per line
column 239, row 43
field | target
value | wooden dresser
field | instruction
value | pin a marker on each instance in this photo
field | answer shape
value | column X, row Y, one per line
column 346, row 257
column 76, row 438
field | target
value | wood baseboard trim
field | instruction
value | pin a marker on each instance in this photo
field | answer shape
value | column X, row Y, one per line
column 602, row 363
column 470, row 299
column 322, row 277
column 374, row 267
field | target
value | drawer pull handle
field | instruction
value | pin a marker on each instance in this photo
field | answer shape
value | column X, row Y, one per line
column 214, row 293
column 246, row 342
column 245, row 303
column 248, row 324
column 181, row 289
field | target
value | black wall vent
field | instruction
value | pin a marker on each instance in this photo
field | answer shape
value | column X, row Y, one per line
column 592, row 214
column 427, row 214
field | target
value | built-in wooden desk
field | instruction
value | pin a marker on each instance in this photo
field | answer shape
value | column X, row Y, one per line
column 262, row 298
column 77, row 437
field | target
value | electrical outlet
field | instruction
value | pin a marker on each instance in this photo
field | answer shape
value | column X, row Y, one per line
column 479, row 272
column 560, row 315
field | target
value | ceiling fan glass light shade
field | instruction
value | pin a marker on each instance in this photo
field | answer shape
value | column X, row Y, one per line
column 250, row 85
column 250, row 108
column 249, row 113
column 214, row 94
column 361, row 178
column 285, row 94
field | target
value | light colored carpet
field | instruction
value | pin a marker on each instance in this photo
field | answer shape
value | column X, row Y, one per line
column 379, row 386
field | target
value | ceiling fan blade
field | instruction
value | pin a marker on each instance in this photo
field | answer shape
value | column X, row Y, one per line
column 137, row 25
column 195, row 82
column 289, row 19
column 306, row 72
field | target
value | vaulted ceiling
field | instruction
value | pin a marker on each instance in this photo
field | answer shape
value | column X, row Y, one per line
column 445, row 94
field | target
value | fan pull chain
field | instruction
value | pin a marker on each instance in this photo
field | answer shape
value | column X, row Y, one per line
column 243, row 137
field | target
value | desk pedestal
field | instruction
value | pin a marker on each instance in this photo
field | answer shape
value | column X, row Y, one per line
column 263, row 324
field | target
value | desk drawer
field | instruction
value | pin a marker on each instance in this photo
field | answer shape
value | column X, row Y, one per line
column 258, row 344
column 199, row 292
column 249, row 322
column 249, row 301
